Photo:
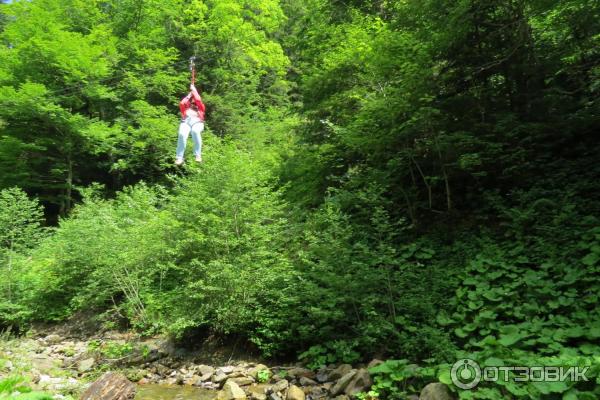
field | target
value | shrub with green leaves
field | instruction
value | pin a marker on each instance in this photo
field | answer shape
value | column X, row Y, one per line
column 20, row 231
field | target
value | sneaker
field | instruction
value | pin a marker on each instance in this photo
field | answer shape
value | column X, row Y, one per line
column 198, row 158
column 178, row 161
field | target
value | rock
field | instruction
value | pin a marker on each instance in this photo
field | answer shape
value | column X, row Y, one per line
column 342, row 397
column 35, row 378
column 161, row 370
column 374, row 363
column 193, row 380
column 236, row 374
column 48, row 383
column 359, row 383
column 171, row 381
column 322, row 375
column 279, row 386
column 295, row 393
column 253, row 372
column 435, row 391
column 304, row 381
column 85, row 365
column 243, row 380
column 209, row 385
column 226, row 370
column 339, row 372
column 53, row 339
column 206, row 377
column 257, row 392
column 298, row 372
column 315, row 392
column 219, row 377
column 205, row 370
column 42, row 363
column 341, row 384
column 231, row 391
column 274, row 396
column 110, row 386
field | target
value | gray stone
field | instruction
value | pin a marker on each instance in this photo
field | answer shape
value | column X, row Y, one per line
column 374, row 363
column 206, row 377
column 85, row 365
column 171, row 381
column 193, row 380
column 322, row 375
column 253, row 372
column 257, row 391
column 53, row 339
column 110, row 386
column 295, row 393
column 243, row 380
column 226, row 370
column 298, row 372
column 304, row 381
column 339, row 372
column 359, row 383
column 231, row 391
column 42, row 363
column 205, row 370
column 274, row 396
column 341, row 384
column 279, row 386
column 161, row 370
column 219, row 377
column 209, row 385
column 435, row 391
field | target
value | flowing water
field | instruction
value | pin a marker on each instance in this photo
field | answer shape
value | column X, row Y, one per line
column 176, row 392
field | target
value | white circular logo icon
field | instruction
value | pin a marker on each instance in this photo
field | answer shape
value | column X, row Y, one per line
column 465, row 373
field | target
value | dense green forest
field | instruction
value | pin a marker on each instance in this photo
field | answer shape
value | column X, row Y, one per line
column 415, row 180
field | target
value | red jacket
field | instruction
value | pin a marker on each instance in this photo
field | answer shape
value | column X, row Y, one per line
column 185, row 104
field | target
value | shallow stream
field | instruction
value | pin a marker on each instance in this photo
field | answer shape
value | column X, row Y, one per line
column 176, row 392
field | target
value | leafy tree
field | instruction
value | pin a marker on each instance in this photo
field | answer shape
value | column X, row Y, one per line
column 20, row 230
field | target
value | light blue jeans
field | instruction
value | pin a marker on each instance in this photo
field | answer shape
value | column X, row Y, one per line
column 185, row 128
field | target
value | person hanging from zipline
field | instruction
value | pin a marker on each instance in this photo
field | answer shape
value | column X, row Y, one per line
column 192, row 121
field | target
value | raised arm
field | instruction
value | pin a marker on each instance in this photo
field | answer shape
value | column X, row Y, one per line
column 197, row 99
column 184, row 104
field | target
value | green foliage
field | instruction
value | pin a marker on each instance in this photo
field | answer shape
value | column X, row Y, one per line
column 397, row 379
column 89, row 91
column 14, row 387
column 20, row 231
column 409, row 179
column 11, row 384
column 116, row 350
column 263, row 376
column 334, row 352
column 34, row 396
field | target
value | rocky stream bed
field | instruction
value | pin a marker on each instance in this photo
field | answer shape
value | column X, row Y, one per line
column 66, row 367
